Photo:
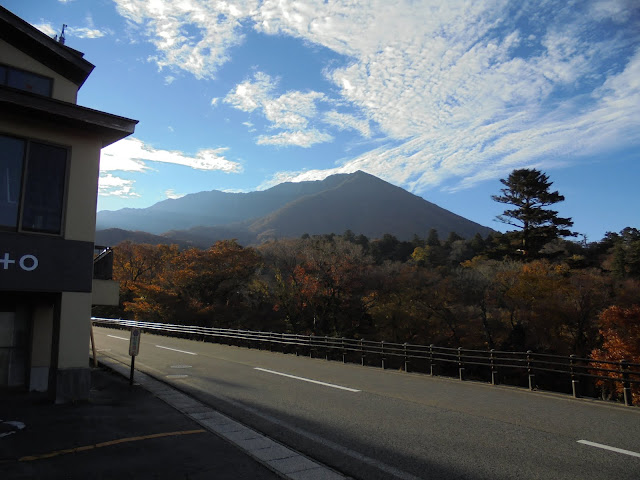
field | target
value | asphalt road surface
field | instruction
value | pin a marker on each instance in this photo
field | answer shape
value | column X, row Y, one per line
column 371, row 423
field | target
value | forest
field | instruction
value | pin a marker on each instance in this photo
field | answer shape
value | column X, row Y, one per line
column 517, row 291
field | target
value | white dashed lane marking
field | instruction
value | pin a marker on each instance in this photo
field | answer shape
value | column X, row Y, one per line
column 607, row 447
column 120, row 338
column 340, row 387
column 176, row 350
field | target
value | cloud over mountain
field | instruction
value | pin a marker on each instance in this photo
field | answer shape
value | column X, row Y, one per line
column 462, row 91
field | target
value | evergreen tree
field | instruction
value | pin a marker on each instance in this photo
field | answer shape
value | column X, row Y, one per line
column 528, row 190
column 433, row 240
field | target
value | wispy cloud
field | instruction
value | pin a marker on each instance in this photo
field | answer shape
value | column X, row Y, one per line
column 345, row 121
column 113, row 186
column 46, row 28
column 86, row 32
column 291, row 111
column 190, row 34
column 462, row 91
column 170, row 193
column 468, row 91
column 132, row 155
column 252, row 94
column 303, row 139
column 79, row 32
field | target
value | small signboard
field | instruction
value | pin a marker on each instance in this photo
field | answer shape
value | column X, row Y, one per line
column 134, row 342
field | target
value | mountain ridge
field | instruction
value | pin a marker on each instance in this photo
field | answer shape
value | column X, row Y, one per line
column 359, row 202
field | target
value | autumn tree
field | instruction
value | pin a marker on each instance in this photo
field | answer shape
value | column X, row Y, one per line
column 620, row 331
column 393, row 303
column 317, row 283
column 201, row 287
column 140, row 262
column 528, row 191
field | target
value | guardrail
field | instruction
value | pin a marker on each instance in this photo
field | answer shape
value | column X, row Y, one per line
column 571, row 374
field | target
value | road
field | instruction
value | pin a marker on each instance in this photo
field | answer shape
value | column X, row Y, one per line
column 381, row 424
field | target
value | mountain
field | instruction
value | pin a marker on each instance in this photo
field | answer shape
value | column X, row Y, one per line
column 114, row 236
column 358, row 202
column 211, row 208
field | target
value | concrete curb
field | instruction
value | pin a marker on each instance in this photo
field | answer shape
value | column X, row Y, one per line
column 287, row 463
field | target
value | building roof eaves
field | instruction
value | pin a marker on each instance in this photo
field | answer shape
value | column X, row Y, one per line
column 63, row 60
column 109, row 127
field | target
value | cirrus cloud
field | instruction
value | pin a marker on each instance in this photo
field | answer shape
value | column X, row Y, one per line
column 110, row 185
column 462, row 91
column 291, row 111
column 131, row 154
column 303, row 139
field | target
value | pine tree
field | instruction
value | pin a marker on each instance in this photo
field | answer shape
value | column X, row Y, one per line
column 528, row 190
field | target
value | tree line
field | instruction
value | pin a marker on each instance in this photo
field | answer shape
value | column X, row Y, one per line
column 523, row 290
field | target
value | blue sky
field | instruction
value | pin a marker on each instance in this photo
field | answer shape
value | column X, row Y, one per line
column 442, row 98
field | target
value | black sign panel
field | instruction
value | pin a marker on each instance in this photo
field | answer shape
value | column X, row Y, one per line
column 41, row 263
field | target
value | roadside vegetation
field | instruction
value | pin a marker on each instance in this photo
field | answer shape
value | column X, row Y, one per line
column 528, row 289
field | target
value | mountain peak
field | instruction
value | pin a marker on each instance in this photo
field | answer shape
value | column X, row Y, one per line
column 358, row 201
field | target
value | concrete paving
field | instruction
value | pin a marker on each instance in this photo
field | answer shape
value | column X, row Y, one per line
column 146, row 431
column 284, row 461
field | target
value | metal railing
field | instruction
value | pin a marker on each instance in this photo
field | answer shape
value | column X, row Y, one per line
column 102, row 262
column 571, row 374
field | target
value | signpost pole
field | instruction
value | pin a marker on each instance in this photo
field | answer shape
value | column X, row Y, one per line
column 134, row 349
column 133, row 361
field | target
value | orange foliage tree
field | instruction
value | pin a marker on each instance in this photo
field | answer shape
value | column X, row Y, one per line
column 201, row 287
column 620, row 331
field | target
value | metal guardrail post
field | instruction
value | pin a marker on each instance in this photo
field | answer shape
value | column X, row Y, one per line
column 626, row 385
column 460, row 364
column 494, row 372
column 362, row 352
column 310, row 348
column 531, row 375
column 406, row 359
column 574, row 378
column 431, row 364
column 344, row 352
column 382, row 354
column 326, row 348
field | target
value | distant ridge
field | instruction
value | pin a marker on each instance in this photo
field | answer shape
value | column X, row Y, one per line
column 359, row 202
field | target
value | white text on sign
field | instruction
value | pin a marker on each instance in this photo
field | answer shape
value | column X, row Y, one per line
column 27, row 262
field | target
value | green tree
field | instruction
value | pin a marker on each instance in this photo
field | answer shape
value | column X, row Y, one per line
column 528, row 190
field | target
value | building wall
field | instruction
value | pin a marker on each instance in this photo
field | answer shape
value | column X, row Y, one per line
column 72, row 374
column 57, row 296
column 42, row 333
column 84, row 165
column 63, row 89
column 72, row 377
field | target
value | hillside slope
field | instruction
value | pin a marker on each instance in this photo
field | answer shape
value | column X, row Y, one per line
column 358, row 202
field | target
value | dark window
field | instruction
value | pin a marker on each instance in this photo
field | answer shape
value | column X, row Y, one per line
column 27, row 81
column 11, row 160
column 37, row 182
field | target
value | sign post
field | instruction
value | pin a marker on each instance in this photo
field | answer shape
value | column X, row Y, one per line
column 134, row 348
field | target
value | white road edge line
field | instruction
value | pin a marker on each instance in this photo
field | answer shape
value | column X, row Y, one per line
column 607, row 447
column 307, row 380
column 121, row 338
column 176, row 350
